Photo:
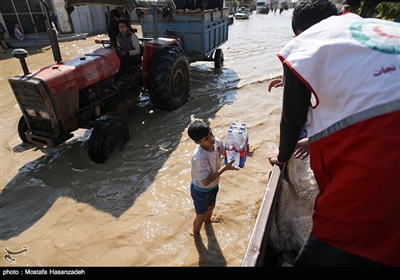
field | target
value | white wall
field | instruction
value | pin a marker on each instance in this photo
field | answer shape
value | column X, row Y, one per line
column 62, row 16
column 90, row 19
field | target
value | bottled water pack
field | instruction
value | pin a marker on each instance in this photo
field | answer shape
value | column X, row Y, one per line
column 237, row 144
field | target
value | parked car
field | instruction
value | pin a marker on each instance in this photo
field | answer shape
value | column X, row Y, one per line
column 242, row 13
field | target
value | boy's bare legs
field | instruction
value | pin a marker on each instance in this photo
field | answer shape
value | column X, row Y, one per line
column 198, row 222
column 200, row 219
column 209, row 213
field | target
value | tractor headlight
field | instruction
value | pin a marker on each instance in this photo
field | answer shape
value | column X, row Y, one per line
column 44, row 115
column 31, row 112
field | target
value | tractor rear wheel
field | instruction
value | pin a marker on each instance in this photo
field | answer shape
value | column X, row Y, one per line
column 218, row 58
column 22, row 128
column 169, row 79
column 107, row 137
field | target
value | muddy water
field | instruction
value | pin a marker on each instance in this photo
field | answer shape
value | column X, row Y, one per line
column 136, row 209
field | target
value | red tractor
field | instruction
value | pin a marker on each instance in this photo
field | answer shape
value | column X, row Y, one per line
column 87, row 92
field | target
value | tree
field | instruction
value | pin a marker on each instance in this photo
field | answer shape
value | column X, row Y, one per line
column 389, row 11
column 386, row 11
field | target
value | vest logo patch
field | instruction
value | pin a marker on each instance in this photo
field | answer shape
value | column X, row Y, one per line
column 377, row 35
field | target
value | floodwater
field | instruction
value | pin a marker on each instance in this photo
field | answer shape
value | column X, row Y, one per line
column 136, row 209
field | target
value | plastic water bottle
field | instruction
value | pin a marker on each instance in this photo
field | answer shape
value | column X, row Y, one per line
column 242, row 147
column 234, row 126
column 231, row 149
column 246, row 133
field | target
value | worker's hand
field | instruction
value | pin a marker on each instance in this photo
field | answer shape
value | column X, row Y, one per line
column 275, row 83
column 273, row 157
column 120, row 51
column 302, row 150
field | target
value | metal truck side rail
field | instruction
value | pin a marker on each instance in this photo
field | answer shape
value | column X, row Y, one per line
column 257, row 253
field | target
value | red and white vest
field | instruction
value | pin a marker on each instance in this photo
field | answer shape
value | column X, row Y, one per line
column 352, row 67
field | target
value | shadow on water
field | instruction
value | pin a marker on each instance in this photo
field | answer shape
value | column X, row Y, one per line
column 112, row 187
column 211, row 255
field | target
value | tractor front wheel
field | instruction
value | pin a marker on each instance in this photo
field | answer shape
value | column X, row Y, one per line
column 107, row 137
column 22, row 128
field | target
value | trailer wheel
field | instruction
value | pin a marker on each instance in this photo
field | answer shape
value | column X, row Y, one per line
column 218, row 58
column 107, row 137
column 22, row 128
column 169, row 79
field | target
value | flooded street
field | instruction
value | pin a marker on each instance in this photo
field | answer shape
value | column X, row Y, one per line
column 136, row 208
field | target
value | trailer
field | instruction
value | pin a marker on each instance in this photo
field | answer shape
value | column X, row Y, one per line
column 200, row 35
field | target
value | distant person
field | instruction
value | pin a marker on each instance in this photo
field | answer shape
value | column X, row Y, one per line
column 42, row 20
column 128, row 48
column 193, row 6
column 3, row 45
column 350, row 6
column 179, row 6
column 345, row 9
column 54, row 19
column 113, row 19
column 19, row 35
column 351, row 126
column 205, row 171
column 215, row 5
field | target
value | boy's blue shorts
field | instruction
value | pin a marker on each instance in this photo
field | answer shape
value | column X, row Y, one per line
column 202, row 200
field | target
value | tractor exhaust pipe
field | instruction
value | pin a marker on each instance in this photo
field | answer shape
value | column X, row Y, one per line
column 155, row 21
column 21, row 54
column 52, row 35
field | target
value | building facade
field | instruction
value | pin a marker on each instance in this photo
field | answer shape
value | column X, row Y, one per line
column 30, row 15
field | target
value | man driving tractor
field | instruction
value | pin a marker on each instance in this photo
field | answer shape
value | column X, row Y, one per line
column 128, row 48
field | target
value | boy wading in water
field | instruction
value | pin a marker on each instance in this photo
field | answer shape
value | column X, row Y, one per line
column 206, row 172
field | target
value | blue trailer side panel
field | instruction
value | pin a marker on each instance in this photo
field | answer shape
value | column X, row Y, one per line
column 200, row 34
